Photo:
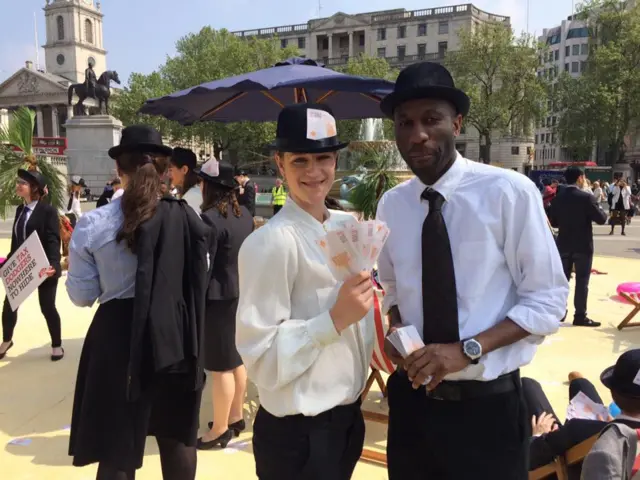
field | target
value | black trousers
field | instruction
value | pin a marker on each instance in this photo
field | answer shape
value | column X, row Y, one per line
column 582, row 263
column 325, row 447
column 276, row 208
column 486, row 437
column 47, row 297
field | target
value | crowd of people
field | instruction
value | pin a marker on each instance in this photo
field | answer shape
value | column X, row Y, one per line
column 186, row 284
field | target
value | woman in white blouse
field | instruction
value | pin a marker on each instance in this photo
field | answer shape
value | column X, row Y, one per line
column 305, row 338
column 621, row 204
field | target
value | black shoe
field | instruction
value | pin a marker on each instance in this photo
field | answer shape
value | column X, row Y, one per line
column 57, row 358
column 2, row 355
column 223, row 440
column 237, row 427
column 587, row 322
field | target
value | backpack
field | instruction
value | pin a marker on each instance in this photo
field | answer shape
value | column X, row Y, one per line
column 614, row 456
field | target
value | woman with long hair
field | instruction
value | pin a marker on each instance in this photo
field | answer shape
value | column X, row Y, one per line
column 230, row 224
column 305, row 337
column 621, row 203
column 143, row 257
column 182, row 172
column 36, row 215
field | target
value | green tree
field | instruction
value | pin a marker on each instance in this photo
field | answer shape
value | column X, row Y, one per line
column 366, row 66
column 603, row 104
column 19, row 134
column 498, row 72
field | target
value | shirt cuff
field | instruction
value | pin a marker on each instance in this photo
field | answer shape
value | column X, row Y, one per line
column 537, row 324
column 322, row 330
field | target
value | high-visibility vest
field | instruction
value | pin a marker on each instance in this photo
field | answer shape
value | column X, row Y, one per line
column 279, row 195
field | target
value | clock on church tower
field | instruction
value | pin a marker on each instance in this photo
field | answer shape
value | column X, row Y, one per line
column 74, row 35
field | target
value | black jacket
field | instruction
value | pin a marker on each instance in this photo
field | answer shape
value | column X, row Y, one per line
column 248, row 198
column 45, row 221
column 225, row 239
column 572, row 212
column 169, row 306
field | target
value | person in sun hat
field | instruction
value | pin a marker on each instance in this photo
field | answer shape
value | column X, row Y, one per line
column 143, row 257
column 36, row 215
column 305, row 338
column 490, row 287
column 230, row 223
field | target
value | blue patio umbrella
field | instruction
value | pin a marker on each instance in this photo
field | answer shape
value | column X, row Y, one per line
column 260, row 96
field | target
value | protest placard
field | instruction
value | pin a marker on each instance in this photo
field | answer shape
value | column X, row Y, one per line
column 24, row 271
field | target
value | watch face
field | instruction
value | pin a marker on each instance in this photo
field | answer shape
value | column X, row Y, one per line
column 472, row 348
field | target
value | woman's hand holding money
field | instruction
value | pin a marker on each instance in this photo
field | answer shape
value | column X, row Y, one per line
column 355, row 299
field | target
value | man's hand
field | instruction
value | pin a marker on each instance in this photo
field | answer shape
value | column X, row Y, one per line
column 545, row 423
column 435, row 361
column 50, row 272
column 390, row 351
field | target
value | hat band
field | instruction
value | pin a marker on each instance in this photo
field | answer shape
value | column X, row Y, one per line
column 285, row 143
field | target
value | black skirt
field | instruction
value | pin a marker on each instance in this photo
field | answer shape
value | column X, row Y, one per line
column 105, row 427
column 220, row 352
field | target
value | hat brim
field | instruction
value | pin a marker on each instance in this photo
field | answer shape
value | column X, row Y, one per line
column 211, row 179
column 608, row 380
column 27, row 176
column 116, row 151
column 307, row 149
column 458, row 98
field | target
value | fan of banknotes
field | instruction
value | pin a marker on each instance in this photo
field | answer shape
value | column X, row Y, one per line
column 354, row 246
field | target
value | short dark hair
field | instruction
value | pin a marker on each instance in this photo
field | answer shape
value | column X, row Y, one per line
column 572, row 174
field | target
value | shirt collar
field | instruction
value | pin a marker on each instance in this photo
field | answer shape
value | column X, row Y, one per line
column 293, row 210
column 447, row 183
column 32, row 205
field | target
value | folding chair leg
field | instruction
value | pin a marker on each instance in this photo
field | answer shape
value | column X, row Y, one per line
column 380, row 382
column 627, row 321
column 370, row 380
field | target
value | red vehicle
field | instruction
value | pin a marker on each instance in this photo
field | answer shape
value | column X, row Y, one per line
column 49, row 146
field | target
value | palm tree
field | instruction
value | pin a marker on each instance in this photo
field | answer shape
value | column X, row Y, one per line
column 379, row 158
column 20, row 134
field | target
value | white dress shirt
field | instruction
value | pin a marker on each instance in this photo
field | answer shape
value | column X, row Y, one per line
column 76, row 206
column 117, row 194
column 193, row 197
column 284, row 333
column 27, row 211
column 626, row 197
column 505, row 260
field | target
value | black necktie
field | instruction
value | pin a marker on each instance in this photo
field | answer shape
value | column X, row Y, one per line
column 439, row 295
column 21, row 223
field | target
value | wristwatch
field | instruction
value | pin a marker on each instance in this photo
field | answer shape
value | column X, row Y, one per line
column 472, row 349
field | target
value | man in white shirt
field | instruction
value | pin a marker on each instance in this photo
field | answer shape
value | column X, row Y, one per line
column 490, row 286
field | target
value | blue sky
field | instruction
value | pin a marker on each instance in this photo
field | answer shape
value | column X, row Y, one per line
column 139, row 34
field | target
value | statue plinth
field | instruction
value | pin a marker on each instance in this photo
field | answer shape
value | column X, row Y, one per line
column 89, row 138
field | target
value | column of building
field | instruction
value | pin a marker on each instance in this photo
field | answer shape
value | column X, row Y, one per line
column 351, row 44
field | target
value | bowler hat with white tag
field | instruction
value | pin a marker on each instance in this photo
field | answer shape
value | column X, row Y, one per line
column 425, row 80
column 220, row 174
column 624, row 376
column 307, row 128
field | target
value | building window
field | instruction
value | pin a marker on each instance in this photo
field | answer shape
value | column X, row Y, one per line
column 325, row 44
column 575, row 67
column 536, row 140
column 361, row 40
column 422, row 29
column 547, row 137
column 402, row 50
column 402, row 32
column 584, row 49
column 443, row 28
column 382, row 34
column 283, row 43
column 556, row 55
column 583, row 66
column 442, row 49
column 575, row 50
column 60, row 23
column 553, row 121
column 88, row 31
column 461, row 148
column 566, row 67
column 382, row 52
column 302, row 42
column 422, row 50
column 567, row 51
column 515, row 150
column 344, row 42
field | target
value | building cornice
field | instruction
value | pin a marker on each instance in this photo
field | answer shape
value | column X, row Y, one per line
column 65, row 7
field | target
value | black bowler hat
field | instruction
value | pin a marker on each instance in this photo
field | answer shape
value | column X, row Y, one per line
column 220, row 174
column 307, row 128
column 624, row 376
column 33, row 176
column 184, row 157
column 425, row 80
column 140, row 138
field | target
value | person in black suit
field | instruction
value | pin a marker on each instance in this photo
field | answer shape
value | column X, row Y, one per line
column 572, row 212
column 35, row 215
column 558, row 438
column 247, row 192
column 230, row 225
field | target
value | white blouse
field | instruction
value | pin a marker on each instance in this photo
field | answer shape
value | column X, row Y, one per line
column 285, row 334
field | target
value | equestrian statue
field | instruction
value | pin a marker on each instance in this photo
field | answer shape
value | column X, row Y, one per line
column 98, row 89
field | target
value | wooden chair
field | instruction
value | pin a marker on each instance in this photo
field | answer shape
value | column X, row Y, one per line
column 633, row 300
column 560, row 466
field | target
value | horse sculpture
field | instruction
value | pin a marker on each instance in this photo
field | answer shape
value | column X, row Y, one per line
column 102, row 92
